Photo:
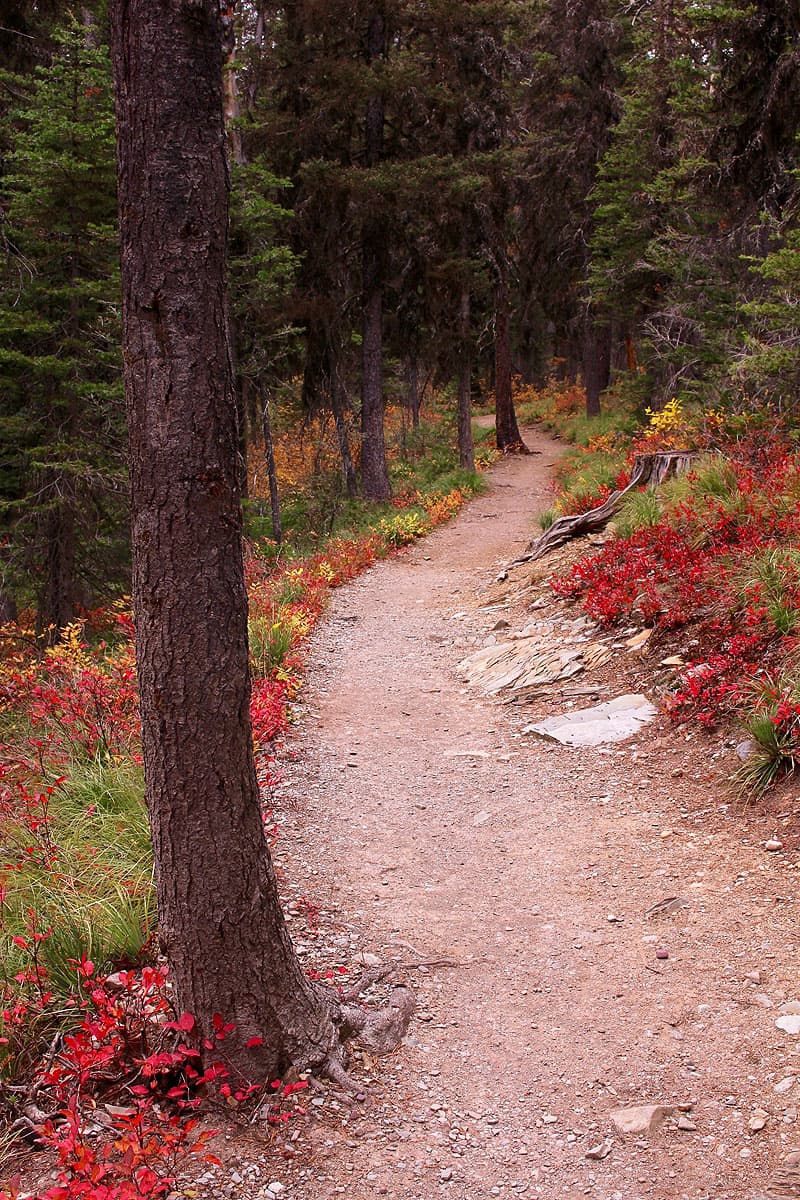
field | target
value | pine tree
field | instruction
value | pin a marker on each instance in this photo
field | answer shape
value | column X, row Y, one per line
column 61, row 474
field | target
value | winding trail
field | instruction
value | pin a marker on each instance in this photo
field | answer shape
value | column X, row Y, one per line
column 431, row 830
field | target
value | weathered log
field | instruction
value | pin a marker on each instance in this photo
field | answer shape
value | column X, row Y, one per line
column 651, row 469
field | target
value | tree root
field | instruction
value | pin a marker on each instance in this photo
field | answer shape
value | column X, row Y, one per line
column 647, row 469
column 380, row 1030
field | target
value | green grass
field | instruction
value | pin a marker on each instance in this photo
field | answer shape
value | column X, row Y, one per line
column 771, row 579
column 776, row 740
column 270, row 636
column 582, row 474
column 639, row 510
column 89, row 881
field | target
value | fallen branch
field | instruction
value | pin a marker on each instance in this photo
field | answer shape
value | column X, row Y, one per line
column 651, row 469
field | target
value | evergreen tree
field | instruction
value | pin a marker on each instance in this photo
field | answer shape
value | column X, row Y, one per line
column 61, row 474
column 570, row 109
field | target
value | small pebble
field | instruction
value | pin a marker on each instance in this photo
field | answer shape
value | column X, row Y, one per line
column 662, row 953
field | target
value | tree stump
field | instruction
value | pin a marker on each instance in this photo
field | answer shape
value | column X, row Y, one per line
column 651, row 469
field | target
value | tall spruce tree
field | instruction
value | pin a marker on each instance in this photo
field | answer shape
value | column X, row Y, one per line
column 61, row 473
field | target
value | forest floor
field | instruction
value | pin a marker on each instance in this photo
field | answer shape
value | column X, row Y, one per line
column 511, row 878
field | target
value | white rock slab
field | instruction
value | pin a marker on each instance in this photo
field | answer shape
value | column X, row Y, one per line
column 610, row 722
column 642, row 1118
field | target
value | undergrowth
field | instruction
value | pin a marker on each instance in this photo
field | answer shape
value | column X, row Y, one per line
column 716, row 549
column 85, row 1018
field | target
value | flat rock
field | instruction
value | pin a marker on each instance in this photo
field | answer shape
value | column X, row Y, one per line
column 789, row 1023
column 600, row 1151
column 530, row 660
column 639, row 640
column 641, row 1118
column 610, row 722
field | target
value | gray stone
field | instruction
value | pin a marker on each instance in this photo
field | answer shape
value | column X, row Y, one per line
column 610, row 722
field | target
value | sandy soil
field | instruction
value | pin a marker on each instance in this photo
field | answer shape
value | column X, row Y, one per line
column 432, row 831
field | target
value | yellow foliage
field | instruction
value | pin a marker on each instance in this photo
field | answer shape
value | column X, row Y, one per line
column 667, row 419
column 602, row 443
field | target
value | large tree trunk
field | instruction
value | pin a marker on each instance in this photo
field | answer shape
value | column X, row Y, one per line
column 508, row 436
column 219, row 918
column 466, row 456
column 374, row 471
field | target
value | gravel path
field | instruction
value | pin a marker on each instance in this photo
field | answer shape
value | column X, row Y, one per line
column 519, row 874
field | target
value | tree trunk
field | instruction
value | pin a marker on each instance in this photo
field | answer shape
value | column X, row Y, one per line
column 231, row 105
column 596, row 363
column 8, row 607
column 374, row 471
column 56, row 606
column 508, row 436
column 340, row 420
column 412, row 376
column 466, row 455
column 219, row 917
column 630, row 354
column 272, row 474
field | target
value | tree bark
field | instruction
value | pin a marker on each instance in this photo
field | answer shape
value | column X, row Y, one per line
column 219, row 917
column 8, row 607
column 652, row 469
column 375, row 483
column 231, row 105
column 56, row 606
column 272, row 474
column 508, row 436
column 412, row 377
column 466, row 456
column 339, row 408
column 596, row 362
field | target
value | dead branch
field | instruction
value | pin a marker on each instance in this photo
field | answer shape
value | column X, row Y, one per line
column 651, row 469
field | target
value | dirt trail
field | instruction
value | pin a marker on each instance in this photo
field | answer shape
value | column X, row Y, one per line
column 432, row 831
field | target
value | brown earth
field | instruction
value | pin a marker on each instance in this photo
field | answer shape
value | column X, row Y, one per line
column 518, row 873
column 510, row 878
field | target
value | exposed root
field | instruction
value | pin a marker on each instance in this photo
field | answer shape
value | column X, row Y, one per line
column 380, row 1030
column 335, row 1070
column 650, row 469
column 373, row 975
